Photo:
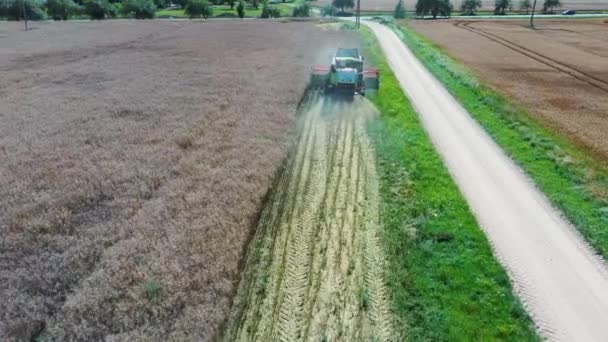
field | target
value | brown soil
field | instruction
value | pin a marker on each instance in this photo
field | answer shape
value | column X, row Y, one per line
column 486, row 5
column 559, row 71
column 315, row 267
column 134, row 158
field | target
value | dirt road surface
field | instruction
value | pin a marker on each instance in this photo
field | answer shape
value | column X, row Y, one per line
column 315, row 268
column 562, row 283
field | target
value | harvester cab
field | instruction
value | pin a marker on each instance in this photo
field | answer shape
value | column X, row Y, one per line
column 346, row 74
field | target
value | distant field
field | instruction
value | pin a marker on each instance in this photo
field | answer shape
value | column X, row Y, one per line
column 389, row 5
column 559, row 71
column 134, row 159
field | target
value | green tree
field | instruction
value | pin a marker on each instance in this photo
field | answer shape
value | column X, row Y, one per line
column 61, row 9
column 269, row 11
column 469, row 7
column 33, row 10
column 549, row 5
column 501, row 6
column 525, row 5
column 198, row 8
column 99, row 9
column 343, row 4
column 255, row 3
column 240, row 9
column 399, row 12
column 434, row 7
column 328, row 11
column 301, row 9
column 139, row 9
column 231, row 3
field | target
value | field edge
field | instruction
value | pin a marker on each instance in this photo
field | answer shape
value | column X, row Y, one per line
column 444, row 279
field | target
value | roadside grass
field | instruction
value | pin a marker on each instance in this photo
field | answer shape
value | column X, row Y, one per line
column 575, row 182
column 445, row 283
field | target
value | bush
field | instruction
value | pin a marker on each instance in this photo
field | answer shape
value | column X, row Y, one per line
column 139, row 9
column 198, row 8
column 61, row 9
column 33, row 10
column 434, row 7
column 269, row 11
column 500, row 6
column 99, row 9
column 343, row 4
column 549, row 5
column 302, row 9
column 328, row 11
column 240, row 9
column 400, row 10
column 469, row 7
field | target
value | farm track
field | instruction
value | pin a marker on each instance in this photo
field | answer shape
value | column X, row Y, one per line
column 561, row 281
column 314, row 269
column 550, row 62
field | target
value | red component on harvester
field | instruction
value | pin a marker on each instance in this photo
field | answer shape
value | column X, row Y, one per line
column 370, row 72
column 319, row 69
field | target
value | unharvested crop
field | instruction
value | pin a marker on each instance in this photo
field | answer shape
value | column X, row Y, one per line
column 134, row 158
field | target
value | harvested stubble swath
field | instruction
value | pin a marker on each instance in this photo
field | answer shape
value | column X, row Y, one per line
column 134, row 158
column 315, row 268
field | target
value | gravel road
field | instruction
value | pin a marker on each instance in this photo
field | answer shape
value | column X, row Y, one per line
column 562, row 283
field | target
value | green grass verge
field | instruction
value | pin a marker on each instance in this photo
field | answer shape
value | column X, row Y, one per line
column 444, row 280
column 574, row 182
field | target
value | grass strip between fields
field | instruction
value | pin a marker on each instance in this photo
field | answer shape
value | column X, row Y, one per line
column 574, row 182
column 444, row 280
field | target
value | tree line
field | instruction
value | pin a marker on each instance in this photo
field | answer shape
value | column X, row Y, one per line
column 444, row 8
column 139, row 9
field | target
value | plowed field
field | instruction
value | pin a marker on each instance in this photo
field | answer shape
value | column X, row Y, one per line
column 558, row 71
column 315, row 268
column 486, row 5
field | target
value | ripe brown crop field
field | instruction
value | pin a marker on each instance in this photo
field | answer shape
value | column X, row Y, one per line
column 134, row 160
column 486, row 5
column 559, row 71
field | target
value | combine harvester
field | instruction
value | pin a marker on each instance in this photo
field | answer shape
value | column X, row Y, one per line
column 346, row 74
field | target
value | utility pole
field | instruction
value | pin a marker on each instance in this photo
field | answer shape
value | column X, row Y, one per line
column 24, row 13
column 532, row 16
column 358, row 15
